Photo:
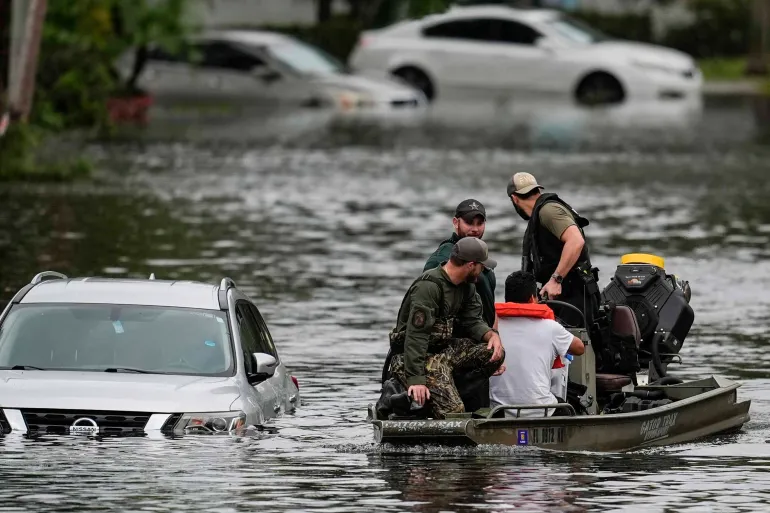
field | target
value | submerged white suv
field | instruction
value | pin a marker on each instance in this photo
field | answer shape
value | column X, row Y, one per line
column 134, row 357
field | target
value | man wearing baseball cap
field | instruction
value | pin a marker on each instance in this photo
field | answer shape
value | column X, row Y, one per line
column 554, row 249
column 470, row 220
column 425, row 350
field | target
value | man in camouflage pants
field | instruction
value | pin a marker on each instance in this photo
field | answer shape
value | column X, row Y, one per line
column 440, row 330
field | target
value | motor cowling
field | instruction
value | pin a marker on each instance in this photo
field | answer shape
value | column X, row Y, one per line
column 660, row 301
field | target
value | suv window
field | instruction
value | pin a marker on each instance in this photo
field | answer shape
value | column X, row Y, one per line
column 249, row 332
column 218, row 54
column 265, row 339
column 485, row 29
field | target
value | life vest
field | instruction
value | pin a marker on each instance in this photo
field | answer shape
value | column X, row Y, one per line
column 531, row 310
column 541, row 250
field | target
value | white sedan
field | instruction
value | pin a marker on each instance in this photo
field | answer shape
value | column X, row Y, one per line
column 261, row 68
column 502, row 50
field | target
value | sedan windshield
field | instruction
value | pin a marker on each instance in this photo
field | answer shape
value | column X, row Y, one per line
column 576, row 30
column 306, row 59
column 115, row 338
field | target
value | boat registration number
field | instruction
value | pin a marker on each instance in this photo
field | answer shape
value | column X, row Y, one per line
column 547, row 435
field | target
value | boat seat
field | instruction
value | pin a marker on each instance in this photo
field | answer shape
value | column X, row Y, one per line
column 625, row 324
column 611, row 382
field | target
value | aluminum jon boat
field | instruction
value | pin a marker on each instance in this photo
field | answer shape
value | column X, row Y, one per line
column 698, row 409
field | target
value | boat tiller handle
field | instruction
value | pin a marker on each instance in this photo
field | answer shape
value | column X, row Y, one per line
column 545, row 408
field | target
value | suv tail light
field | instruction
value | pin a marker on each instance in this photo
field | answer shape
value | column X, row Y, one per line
column 296, row 383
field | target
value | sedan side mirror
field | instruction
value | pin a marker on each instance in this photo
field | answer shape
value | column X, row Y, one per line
column 265, row 74
column 545, row 44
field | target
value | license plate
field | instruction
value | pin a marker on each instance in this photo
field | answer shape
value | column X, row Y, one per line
column 547, row 435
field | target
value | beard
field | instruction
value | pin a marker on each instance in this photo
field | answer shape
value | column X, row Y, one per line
column 479, row 234
column 521, row 213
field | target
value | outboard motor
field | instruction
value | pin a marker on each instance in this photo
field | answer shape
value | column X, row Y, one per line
column 660, row 301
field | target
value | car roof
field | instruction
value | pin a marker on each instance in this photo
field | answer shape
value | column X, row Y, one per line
column 121, row 291
column 498, row 11
column 250, row 37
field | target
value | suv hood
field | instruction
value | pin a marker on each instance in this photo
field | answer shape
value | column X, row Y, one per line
column 152, row 393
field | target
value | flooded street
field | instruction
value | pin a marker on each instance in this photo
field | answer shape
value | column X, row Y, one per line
column 324, row 223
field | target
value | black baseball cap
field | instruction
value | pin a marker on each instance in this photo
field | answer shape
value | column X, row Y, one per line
column 472, row 249
column 470, row 208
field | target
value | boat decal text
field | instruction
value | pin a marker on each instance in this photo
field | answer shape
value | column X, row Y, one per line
column 657, row 428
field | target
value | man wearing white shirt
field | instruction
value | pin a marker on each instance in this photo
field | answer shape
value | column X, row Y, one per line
column 532, row 340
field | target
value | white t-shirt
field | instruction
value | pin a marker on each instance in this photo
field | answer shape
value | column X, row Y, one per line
column 531, row 345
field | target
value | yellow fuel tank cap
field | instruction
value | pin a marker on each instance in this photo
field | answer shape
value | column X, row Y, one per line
column 643, row 258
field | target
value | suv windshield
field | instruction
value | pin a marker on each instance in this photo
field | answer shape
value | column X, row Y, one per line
column 576, row 31
column 306, row 59
column 120, row 338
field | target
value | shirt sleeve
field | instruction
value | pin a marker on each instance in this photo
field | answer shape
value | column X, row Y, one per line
column 556, row 219
column 471, row 318
column 422, row 316
column 441, row 254
column 562, row 339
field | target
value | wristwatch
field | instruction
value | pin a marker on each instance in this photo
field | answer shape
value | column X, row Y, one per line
column 558, row 279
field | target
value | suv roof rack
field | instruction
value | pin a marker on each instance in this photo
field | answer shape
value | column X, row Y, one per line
column 47, row 275
column 224, row 286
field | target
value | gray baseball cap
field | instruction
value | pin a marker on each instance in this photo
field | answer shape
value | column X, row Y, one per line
column 472, row 249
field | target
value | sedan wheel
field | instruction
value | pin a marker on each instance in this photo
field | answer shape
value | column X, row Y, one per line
column 417, row 79
column 600, row 89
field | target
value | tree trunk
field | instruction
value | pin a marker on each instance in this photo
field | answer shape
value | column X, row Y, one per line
column 5, row 48
column 760, row 34
column 324, row 10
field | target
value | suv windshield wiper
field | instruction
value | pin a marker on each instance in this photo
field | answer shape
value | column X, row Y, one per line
column 25, row 367
column 128, row 369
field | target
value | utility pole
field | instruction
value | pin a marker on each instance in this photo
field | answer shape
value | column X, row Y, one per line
column 27, row 28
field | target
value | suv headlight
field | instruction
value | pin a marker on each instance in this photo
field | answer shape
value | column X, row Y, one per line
column 210, row 423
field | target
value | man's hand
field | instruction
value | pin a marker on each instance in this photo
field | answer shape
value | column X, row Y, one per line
column 551, row 288
column 419, row 393
column 500, row 370
column 496, row 345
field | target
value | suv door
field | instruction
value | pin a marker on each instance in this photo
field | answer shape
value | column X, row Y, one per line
column 279, row 379
column 264, row 397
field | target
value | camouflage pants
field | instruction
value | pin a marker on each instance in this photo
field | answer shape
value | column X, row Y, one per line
column 463, row 355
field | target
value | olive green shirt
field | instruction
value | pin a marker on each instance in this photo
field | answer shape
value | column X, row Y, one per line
column 556, row 218
column 420, row 310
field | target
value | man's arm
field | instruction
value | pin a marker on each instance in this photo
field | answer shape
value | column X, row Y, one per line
column 422, row 316
column 440, row 255
column 573, row 246
column 564, row 341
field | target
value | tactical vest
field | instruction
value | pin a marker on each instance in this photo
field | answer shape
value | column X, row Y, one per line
column 541, row 250
column 443, row 327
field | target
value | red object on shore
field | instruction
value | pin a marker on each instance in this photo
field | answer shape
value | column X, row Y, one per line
column 129, row 109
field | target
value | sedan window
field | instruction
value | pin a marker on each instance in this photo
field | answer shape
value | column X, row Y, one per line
column 473, row 29
column 93, row 337
column 490, row 30
column 306, row 59
column 218, row 54
column 577, row 31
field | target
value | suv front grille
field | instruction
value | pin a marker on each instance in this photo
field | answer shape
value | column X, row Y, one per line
column 5, row 427
column 111, row 423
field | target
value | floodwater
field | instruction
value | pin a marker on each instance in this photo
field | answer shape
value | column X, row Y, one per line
column 325, row 223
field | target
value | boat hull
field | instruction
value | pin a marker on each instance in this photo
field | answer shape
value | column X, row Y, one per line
column 701, row 408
